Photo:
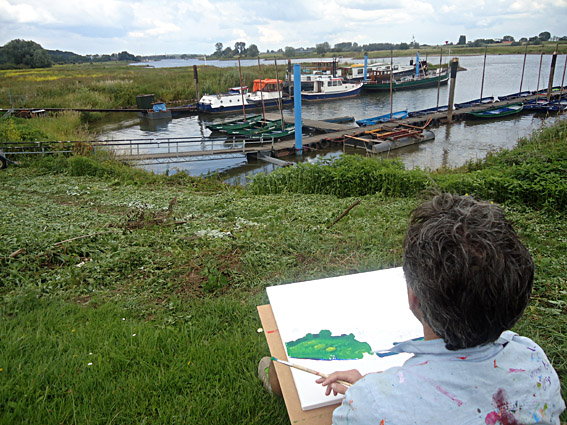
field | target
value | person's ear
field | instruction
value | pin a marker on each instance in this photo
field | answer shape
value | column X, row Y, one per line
column 414, row 304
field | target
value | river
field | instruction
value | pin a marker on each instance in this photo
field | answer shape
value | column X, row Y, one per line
column 454, row 144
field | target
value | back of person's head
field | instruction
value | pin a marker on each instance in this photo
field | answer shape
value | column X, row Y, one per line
column 466, row 265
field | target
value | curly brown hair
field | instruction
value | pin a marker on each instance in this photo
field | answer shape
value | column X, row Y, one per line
column 465, row 263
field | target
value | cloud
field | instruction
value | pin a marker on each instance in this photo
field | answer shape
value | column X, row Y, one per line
column 194, row 26
column 24, row 13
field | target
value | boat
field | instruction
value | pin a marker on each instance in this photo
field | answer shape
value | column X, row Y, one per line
column 428, row 111
column 279, row 133
column 355, row 72
column 399, row 115
column 542, row 105
column 515, row 95
column 385, row 139
column 158, row 112
column 381, row 81
column 328, row 87
column 234, row 124
column 264, row 92
column 498, row 112
column 475, row 102
column 255, row 128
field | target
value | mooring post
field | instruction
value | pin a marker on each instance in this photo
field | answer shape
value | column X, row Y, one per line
column 551, row 74
column 196, row 77
column 483, row 70
column 454, row 68
column 297, row 109
column 365, row 66
column 289, row 81
column 523, row 69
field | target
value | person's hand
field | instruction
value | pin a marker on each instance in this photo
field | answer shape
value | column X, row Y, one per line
column 350, row 376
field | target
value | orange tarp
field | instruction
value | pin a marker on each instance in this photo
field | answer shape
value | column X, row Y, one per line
column 260, row 84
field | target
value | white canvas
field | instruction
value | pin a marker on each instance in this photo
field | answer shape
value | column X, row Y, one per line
column 373, row 306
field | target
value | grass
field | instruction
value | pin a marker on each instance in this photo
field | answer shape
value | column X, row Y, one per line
column 116, row 85
column 149, row 315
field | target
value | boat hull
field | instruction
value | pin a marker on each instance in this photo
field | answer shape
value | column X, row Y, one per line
column 499, row 112
column 312, row 97
column 382, row 118
column 407, row 85
column 209, row 109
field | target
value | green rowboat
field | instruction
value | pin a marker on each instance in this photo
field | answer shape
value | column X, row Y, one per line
column 235, row 124
column 498, row 112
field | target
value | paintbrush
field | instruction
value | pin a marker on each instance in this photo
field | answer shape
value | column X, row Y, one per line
column 306, row 369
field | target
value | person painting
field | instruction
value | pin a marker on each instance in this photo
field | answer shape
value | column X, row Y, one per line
column 469, row 280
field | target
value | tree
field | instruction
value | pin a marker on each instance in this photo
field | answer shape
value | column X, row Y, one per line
column 322, row 48
column 239, row 47
column 218, row 49
column 125, row 56
column 404, row 46
column 462, row 40
column 227, row 53
column 253, row 51
column 544, row 36
column 508, row 38
column 343, row 47
column 26, row 53
column 289, row 51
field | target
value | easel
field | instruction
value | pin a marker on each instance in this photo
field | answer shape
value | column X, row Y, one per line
column 320, row 416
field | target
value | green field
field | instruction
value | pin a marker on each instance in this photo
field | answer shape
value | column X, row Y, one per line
column 130, row 298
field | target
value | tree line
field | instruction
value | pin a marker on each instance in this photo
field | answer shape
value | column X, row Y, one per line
column 29, row 54
column 347, row 47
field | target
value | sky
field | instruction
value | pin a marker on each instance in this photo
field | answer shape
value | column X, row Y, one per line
column 157, row 27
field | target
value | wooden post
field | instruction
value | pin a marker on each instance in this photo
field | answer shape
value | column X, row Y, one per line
column 289, row 83
column 539, row 72
column 563, row 79
column 552, row 73
column 483, row 70
column 241, row 92
column 261, row 90
column 523, row 68
column 454, row 68
column 280, row 92
column 196, row 77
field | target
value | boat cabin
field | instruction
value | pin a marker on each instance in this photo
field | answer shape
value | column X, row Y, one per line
column 267, row 85
column 326, row 85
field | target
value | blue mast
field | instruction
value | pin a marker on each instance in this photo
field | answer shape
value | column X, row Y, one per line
column 297, row 108
column 417, row 66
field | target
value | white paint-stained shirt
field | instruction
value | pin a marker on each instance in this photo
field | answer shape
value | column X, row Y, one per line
column 508, row 382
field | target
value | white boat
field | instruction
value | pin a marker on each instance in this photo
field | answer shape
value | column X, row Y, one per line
column 328, row 87
column 266, row 90
column 356, row 71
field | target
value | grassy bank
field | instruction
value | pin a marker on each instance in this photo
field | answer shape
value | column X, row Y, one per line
column 116, row 85
column 127, row 297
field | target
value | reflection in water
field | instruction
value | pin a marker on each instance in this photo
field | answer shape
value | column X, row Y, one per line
column 453, row 146
column 153, row 125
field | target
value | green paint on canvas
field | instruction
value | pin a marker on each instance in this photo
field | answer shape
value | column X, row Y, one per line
column 324, row 346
